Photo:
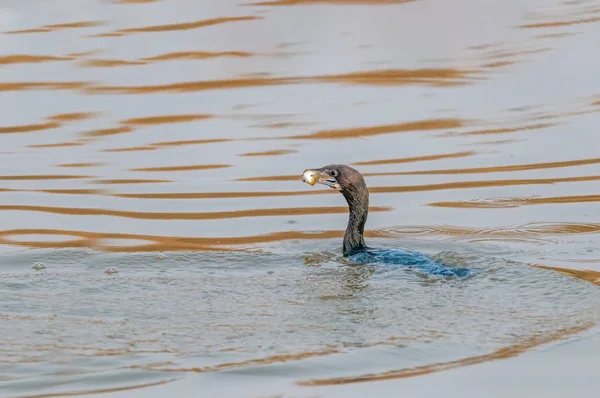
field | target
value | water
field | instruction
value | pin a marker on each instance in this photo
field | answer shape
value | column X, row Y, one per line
column 155, row 318
column 154, row 225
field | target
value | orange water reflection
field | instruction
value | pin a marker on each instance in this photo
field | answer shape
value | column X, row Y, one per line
column 503, row 353
column 179, row 26
column 306, row 2
column 56, row 27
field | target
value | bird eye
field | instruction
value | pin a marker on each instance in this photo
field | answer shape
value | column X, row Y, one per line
column 333, row 173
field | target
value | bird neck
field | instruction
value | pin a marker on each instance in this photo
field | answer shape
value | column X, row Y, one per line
column 358, row 206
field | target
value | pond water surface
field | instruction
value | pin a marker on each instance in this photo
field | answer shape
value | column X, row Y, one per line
column 156, row 237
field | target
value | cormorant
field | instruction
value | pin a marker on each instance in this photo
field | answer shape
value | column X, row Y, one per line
column 351, row 184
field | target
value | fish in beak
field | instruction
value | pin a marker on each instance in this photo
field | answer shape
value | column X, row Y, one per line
column 312, row 177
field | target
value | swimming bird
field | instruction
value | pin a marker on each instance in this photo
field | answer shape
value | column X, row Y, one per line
column 351, row 184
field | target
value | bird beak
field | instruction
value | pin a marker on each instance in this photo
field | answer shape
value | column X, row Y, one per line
column 313, row 177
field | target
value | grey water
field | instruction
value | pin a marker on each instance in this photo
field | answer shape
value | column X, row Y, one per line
column 155, row 237
column 88, row 320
